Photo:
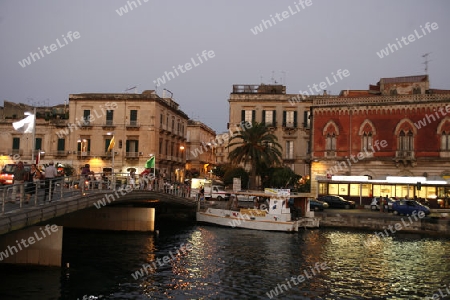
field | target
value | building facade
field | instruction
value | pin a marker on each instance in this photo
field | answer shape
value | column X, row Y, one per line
column 286, row 117
column 143, row 125
column 201, row 150
column 399, row 127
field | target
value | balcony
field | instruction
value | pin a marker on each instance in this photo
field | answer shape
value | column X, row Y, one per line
column 133, row 125
column 81, row 154
column 108, row 124
column 330, row 153
column 405, row 154
column 61, row 153
column 132, row 155
column 406, row 157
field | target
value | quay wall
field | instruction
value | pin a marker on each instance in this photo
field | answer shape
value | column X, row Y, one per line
column 381, row 222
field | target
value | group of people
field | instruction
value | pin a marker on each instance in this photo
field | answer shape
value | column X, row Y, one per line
column 25, row 181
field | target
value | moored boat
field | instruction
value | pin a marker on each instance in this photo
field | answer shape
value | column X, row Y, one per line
column 281, row 212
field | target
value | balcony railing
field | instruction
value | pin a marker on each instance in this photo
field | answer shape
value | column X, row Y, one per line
column 405, row 154
column 132, row 154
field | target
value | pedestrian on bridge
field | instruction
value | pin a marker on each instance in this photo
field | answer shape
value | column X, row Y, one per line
column 20, row 175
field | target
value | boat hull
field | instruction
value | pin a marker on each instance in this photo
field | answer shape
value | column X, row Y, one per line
column 252, row 219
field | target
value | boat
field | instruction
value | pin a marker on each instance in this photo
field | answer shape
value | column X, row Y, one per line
column 281, row 212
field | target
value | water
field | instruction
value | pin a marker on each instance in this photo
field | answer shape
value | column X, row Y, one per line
column 237, row 264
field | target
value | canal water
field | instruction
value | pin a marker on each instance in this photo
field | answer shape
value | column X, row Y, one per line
column 208, row 262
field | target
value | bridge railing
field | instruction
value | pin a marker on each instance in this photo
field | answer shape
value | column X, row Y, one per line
column 22, row 195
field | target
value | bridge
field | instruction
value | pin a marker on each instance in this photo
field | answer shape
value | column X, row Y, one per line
column 24, row 225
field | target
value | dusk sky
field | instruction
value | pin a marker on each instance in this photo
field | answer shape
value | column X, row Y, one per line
column 97, row 47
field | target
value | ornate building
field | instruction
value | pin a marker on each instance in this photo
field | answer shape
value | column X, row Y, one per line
column 399, row 127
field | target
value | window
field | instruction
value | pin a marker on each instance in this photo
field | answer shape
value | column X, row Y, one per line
column 16, row 145
column 107, row 142
column 132, row 148
column 445, row 141
column 289, row 149
column 38, row 144
column 161, row 119
column 290, row 119
column 307, row 119
column 61, row 145
column 87, row 116
column 160, row 145
column 133, row 117
column 269, row 117
column 330, row 142
column 167, row 147
column 248, row 116
column 109, row 117
column 84, row 145
column 405, row 141
column 366, row 142
column 417, row 90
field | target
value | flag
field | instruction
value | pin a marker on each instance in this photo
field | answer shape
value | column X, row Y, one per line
column 111, row 144
column 25, row 125
column 150, row 163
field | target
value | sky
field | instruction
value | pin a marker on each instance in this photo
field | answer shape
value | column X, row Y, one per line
column 50, row 49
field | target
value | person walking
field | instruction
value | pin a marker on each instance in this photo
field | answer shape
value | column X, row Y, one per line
column 20, row 175
column 50, row 174
column 33, row 177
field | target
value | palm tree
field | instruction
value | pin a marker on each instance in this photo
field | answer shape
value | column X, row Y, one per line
column 257, row 146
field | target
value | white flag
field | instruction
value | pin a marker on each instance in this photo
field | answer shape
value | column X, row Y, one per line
column 25, row 125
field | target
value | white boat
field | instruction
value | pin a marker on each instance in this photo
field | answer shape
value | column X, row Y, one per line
column 276, row 217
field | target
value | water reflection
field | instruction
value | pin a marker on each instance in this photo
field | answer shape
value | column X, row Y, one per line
column 238, row 264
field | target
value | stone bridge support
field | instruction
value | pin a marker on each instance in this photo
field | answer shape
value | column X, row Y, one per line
column 111, row 218
column 36, row 245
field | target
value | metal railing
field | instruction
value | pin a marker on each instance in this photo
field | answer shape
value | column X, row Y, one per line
column 26, row 194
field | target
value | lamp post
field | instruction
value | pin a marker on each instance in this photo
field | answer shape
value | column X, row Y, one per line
column 113, row 183
column 182, row 163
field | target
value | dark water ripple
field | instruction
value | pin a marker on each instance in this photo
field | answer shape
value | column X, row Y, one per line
column 237, row 264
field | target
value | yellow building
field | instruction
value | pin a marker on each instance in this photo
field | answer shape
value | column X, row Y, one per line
column 143, row 125
column 286, row 117
column 200, row 154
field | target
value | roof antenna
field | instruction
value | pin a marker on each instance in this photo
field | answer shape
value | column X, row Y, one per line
column 426, row 61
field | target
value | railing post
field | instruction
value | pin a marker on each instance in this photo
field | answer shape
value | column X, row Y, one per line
column 3, row 200
column 50, row 190
column 82, row 183
column 36, row 189
column 63, row 182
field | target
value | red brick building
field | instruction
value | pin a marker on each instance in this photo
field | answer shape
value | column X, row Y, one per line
column 399, row 127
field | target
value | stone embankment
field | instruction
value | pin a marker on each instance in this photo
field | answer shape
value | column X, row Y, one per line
column 436, row 223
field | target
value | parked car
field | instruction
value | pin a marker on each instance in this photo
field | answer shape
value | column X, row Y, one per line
column 315, row 204
column 6, row 175
column 335, row 201
column 375, row 205
column 244, row 198
column 406, row 207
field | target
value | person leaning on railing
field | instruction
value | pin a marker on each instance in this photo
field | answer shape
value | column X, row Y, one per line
column 50, row 173
column 20, row 175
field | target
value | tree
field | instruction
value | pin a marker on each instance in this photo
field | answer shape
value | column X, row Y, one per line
column 220, row 170
column 236, row 173
column 255, row 146
column 284, row 177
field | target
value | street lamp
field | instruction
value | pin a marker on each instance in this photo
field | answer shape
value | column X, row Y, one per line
column 112, row 159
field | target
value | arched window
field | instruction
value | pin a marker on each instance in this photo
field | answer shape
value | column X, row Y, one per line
column 366, row 141
column 405, row 141
column 445, row 141
column 330, row 142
